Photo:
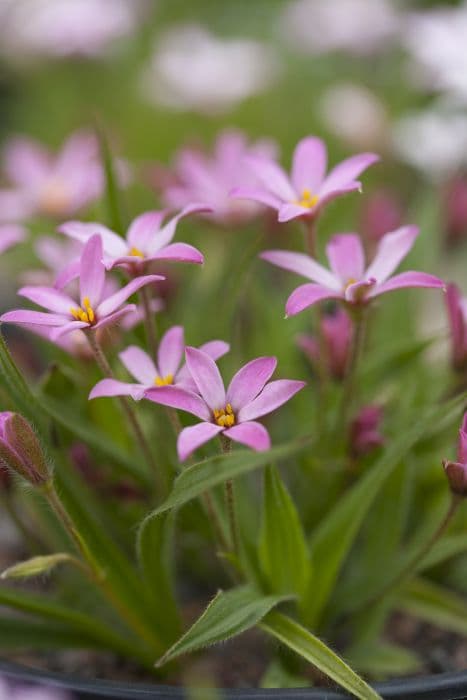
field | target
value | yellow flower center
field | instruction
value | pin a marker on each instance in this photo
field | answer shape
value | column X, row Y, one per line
column 308, row 200
column 136, row 252
column 350, row 281
column 224, row 417
column 86, row 314
column 54, row 198
column 164, row 381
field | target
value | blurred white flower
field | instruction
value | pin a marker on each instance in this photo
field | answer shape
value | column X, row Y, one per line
column 66, row 27
column 434, row 140
column 365, row 125
column 355, row 26
column 193, row 70
column 437, row 42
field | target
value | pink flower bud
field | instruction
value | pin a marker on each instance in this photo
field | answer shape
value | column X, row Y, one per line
column 455, row 210
column 20, row 450
column 337, row 339
column 457, row 315
column 365, row 433
column 456, row 472
column 381, row 212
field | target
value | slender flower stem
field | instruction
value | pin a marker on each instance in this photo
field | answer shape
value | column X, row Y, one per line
column 348, row 388
column 149, row 322
column 129, row 412
column 230, row 501
column 411, row 567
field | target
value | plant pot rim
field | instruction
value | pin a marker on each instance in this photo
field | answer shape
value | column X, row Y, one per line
column 443, row 686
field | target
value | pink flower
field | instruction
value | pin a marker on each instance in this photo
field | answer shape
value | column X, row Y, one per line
column 10, row 235
column 381, row 212
column 55, row 186
column 455, row 210
column 167, row 372
column 146, row 240
column 348, row 279
column 365, row 433
column 337, row 331
column 56, row 256
column 232, row 413
column 308, row 188
column 93, row 310
column 456, row 472
column 457, row 315
column 200, row 177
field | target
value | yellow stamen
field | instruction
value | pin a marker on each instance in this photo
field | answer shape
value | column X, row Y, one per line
column 308, row 200
column 350, row 281
column 225, row 417
column 136, row 252
column 86, row 315
column 164, row 381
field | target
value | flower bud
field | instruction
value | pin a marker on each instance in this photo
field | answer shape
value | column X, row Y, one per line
column 365, row 433
column 337, row 332
column 20, row 450
column 456, row 472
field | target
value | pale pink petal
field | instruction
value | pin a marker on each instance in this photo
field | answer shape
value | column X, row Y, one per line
column 67, row 328
column 179, row 252
column 92, row 271
column 215, row 349
column 139, row 364
column 392, row 248
column 207, row 377
column 249, row 380
column 193, row 437
column 77, row 152
column 309, row 345
column 306, row 295
column 26, row 163
column 325, row 198
column 68, row 274
column 273, row 395
column 290, row 211
column 112, row 387
column 15, row 205
column 257, row 195
column 184, row 400
column 358, row 291
column 345, row 172
column 408, row 279
column 10, row 235
column 115, row 300
column 49, row 298
column 346, row 256
column 164, row 236
column 272, row 177
column 114, row 245
column 36, row 317
column 170, row 353
column 251, row 434
column 309, row 165
column 115, row 317
column 144, row 227
column 303, row 265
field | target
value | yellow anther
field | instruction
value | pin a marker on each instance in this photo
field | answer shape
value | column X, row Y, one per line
column 307, row 200
column 225, row 417
column 350, row 281
column 86, row 315
column 136, row 252
column 164, row 381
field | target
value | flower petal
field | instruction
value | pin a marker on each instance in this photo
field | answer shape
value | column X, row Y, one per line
column 273, row 395
column 215, row 349
column 306, row 295
column 251, row 434
column 164, row 236
column 392, row 248
column 170, row 353
column 49, row 298
column 179, row 252
column 309, row 164
column 249, row 380
column 26, row 163
column 345, row 172
column 112, row 387
column 193, row 437
column 359, row 291
column 407, row 279
column 272, row 177
column 68, row 274
column 257, row 194
column 346, row 256
column 67, row 328
column 36, row 317
column 207, row 377
column 144, row 227
column 115, row 316
column 303, row 265
column 139, row 364
column 115, row 300
column 289, row 211
column 92, row 271
column 10, row 235
column 175, row 397
column 114, row 245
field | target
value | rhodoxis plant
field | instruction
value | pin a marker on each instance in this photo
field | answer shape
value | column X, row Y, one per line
column 316, row 507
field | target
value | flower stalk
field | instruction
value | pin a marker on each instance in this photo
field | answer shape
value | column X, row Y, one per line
column 226, row 445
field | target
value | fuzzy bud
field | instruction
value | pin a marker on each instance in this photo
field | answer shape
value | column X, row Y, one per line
column 20, row 450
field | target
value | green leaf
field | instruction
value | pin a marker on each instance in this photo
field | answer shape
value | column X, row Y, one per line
column 300, row 640
column 381, row 659
column 24, row 634
column 334, row 537
column 447, row 547
column 276, row 676
column 227, row 615
column 283, row 550
column 113, row 195
column 38, row 565
column 202, row 476
column 434, row 604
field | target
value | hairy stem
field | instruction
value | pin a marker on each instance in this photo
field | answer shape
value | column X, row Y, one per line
column 230, row 501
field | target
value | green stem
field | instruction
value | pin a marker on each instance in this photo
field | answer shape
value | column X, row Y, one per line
column 230, row 501
column 129, row 412
column 149, row 321
column 348, row 387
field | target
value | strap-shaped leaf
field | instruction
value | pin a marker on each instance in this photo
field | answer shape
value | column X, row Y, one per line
column 382, row 659
column 336, row 534
column 283, row 550
column 300, row 640
column 435, row 604
column 38, row 565
column 25, row 634
column 227, row 615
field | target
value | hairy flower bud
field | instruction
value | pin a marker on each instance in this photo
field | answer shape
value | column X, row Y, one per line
column 20, row 450
column 456, row 472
